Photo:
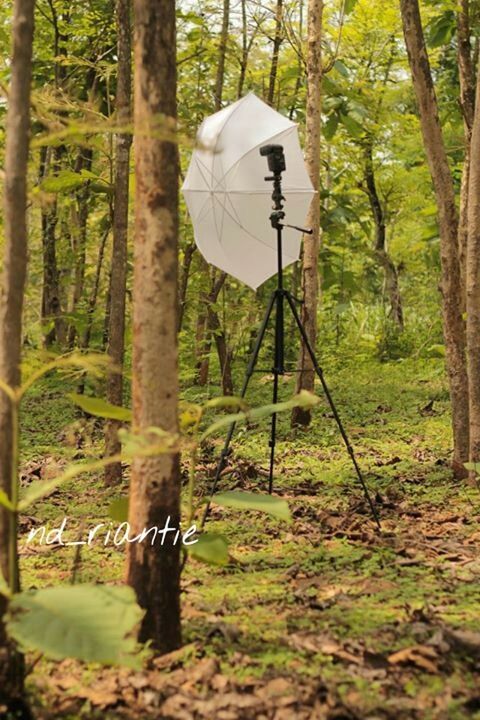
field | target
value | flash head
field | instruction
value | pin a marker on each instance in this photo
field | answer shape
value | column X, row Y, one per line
column 275, row 158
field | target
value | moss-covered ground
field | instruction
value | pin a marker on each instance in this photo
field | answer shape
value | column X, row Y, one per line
column 321, row 618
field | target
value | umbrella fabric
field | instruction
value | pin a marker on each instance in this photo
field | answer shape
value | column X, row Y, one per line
column 229, row 200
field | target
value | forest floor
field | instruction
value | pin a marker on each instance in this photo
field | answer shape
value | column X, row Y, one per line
column 321, row 618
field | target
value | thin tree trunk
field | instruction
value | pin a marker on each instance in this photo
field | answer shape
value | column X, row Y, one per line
column 311, row 243
column 453, row 326
column 202, row 337
column 92, row 301
column 208, row 318
column 79, row 238
column 245, row 49
column 380, row 248
column 182, row 292
column 467, row 103
column 277, row 42
column 222, row 51
column 300, row 78
column 51, row 309
column 154, row 572
column 11, row 305
column 216, row 330
column 473, row 288
column 118, row 275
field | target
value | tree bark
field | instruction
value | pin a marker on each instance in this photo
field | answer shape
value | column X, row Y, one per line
column 453, row 326
column 222, row 51
column 245, row 50
column 154, row 572
column 277, row 42
column 311, row 243
column 467, row 103
column 473, row 287
column 11, row 303
column 183, row 283
column 118, row 275
column 79, row 238
column 51, row 306
column 215, row 328
column 208, row 323
column 380, row 248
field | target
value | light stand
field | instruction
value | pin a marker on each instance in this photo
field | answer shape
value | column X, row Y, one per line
column 276, row 164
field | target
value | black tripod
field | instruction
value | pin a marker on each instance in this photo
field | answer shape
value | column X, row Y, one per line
column 276, row 164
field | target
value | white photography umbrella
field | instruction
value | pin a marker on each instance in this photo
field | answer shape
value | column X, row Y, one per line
column 228, row 198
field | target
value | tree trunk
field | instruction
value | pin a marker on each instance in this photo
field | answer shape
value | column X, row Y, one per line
column 222, row 51
column 453, row 326
column 154, row 572
column 208, row 318
column 467, row 103
column 183, row 284
column 92, row 301
column 51, row 307
column 79, row 238
column 473, row 288
column 311, row 243
column 245, row 49
column 202, row 337
column 118, row 275
column 390, row 271
column 277, row 42
column 11, row 304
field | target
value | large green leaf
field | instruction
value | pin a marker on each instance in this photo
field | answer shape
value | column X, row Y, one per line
column 101, row 408
column 303, row 399
column 92, row 623
column 254, row 501
column 210, row 548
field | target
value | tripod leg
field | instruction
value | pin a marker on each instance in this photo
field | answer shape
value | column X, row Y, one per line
column 248, row 374
column 273, row 434
column 319, row 372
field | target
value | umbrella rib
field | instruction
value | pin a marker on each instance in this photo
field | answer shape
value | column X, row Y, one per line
column 272, row 137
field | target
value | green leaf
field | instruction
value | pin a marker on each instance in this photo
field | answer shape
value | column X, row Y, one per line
column 254, row 501
column 472, row 466
column 92, row 623
column 441, row 29
column 303, row 399
column 118, row 509
column 67, row 181
column 100, row 408
column 228, row 401
column 353, row 127
column 341, row 68
column 5, row 501
column 330, row 127
column 4, row 589
column 211, row 548
column 436, row 351
column 349, row 6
